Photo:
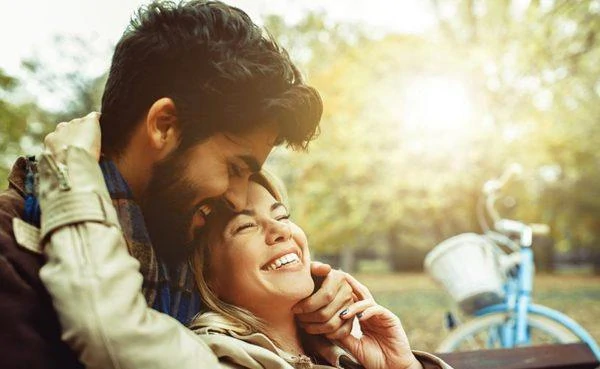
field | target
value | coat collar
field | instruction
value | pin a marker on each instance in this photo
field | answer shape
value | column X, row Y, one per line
column 16, row 178
column 319, row 346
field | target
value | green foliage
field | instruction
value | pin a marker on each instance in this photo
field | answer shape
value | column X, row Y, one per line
column 379, row 175
column 24, row 122
column 16, row 133
column 414, row 124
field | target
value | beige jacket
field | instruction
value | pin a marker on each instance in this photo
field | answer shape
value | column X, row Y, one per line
column 96, row 287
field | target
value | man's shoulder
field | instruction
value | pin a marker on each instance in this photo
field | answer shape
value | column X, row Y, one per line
column 18, row 241
column 16, row 246
column 32, row 331
column 12, row 199
column 12, row 205
column 14, row 231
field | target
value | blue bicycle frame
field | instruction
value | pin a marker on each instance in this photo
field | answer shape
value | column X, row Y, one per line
column 518, row 305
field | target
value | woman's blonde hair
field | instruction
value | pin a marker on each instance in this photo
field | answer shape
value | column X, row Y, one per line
column 218, row 315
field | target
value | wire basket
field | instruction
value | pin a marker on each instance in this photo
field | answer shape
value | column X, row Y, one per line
column 468, row 267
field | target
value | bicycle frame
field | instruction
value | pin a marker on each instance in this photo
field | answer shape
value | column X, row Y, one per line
column 518, row 305
column 514, row 322
column 551, row 314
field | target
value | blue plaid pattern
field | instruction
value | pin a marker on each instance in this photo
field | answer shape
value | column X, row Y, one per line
column 171, row 290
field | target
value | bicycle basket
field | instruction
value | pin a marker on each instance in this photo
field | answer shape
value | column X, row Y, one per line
column 467, row 266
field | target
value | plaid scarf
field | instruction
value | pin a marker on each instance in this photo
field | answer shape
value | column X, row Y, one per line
column 171, row 290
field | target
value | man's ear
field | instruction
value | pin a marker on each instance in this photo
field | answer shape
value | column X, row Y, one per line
column 162, row 127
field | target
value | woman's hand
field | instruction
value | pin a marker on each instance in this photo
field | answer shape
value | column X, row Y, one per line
column 319, row 313
column 82, row 132
column 383, row 344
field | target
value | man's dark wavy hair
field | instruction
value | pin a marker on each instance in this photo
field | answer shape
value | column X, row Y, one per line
column 223, row 72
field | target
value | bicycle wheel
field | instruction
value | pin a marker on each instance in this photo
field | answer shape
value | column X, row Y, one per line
column 485, row 333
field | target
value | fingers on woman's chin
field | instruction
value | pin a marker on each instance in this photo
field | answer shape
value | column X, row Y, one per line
column 320, row 269
column 378, row 310
column 318, row 328
column 341, row 333
column 357, row 309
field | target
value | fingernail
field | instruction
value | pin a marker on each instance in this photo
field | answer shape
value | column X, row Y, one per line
column 359, row 315
column 344, row 312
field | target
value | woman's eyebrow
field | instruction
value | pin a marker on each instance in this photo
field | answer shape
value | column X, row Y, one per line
column 251, row 212
column 277, row 205
column 248, row 212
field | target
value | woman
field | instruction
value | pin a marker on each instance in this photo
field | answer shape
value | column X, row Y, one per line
column 259, row 259
column 252, row 267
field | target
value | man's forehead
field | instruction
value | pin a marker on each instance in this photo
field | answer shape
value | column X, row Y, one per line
column 266, row 135
column 254, row 147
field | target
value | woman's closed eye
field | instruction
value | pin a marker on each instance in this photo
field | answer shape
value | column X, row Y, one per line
column 244, row 226
column 282, row 218
column 252, row 224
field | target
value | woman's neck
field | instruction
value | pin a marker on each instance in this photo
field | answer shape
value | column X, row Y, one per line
column 285, row 332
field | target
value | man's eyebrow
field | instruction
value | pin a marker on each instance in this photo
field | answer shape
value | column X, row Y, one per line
column 251, row 162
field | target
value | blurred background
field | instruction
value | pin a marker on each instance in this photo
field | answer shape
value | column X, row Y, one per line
column 425, row 100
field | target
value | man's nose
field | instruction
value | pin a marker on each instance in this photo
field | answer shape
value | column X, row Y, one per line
column 237, row 195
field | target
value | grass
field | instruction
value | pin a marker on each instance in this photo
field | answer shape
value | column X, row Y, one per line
column 421, row 304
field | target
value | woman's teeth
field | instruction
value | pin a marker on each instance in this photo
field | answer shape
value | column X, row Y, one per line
column 286, row 259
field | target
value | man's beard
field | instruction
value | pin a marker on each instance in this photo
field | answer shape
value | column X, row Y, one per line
column 167, row 210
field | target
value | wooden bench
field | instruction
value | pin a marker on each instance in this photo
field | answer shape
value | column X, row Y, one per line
column 565, row 356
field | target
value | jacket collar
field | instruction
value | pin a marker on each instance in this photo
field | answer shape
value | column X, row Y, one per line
column 317, row 345
column 16, row 178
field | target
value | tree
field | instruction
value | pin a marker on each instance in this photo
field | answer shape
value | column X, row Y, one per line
column 24, row 121
column 381, row 178
column 21, row 129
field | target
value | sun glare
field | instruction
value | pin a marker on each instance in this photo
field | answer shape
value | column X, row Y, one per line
column 436, row 105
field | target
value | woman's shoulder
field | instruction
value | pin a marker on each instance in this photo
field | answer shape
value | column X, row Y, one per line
column 249, row 349
column 253, row 351
column 256, row 350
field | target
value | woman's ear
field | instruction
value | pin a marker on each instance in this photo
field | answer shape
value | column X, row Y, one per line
column 162, row 127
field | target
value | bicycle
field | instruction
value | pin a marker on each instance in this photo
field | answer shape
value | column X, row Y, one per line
column 496, row 286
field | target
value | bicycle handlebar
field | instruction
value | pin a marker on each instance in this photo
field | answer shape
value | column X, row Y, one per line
column 495, row 185
column 491, row 188
column 499, row 225
column 507, row 226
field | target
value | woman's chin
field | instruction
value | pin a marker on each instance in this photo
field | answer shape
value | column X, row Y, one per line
column 294, row 293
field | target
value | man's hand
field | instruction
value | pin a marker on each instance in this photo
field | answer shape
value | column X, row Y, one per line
column 319, row 313
column 82, row 132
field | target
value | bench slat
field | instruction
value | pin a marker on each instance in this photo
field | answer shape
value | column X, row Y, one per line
column 563, row 356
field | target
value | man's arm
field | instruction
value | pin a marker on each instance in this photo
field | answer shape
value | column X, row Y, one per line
column 94, row 283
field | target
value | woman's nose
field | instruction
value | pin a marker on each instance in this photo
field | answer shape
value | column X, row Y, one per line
column 278, row 232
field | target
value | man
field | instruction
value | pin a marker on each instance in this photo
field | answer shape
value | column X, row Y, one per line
column 196, row 98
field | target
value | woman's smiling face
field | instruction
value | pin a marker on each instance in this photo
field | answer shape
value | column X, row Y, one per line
column 259, row 259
